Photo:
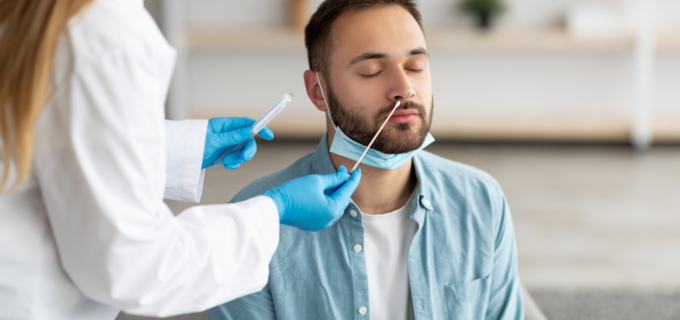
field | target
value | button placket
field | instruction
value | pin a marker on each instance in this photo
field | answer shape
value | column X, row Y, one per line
column 355, row 247
column 419, row 283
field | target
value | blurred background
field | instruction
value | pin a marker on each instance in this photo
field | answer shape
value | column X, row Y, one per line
column 573, row 105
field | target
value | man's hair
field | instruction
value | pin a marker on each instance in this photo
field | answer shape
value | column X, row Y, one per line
column 318, row 33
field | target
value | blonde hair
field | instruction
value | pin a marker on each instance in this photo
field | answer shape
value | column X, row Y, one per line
column 31, row 31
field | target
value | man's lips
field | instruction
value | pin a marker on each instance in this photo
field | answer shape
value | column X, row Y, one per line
column 404, row 116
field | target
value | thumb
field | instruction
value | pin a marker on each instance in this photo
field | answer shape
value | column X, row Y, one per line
column 235, row 137
column 344, row 192
column 266, row 133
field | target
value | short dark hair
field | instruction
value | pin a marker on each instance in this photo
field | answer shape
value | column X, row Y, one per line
column 318, row 33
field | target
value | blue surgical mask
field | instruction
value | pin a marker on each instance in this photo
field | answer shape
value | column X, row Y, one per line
column 346, row 147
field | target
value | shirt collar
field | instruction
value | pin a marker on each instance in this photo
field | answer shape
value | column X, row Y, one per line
column 322, row 158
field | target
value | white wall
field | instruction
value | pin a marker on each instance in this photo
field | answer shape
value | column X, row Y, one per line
column 668, row 12
column 521, row 13
column 667, row 92
column 266, row 13
column 535, row 84
column 248, row 82
column 473, row 83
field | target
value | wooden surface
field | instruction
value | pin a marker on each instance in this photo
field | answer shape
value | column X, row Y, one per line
column 538, row 40
column 557, row 40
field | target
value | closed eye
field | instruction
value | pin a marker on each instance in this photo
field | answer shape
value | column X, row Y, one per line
column 368, row 76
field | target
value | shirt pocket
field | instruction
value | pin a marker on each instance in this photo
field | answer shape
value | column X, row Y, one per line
column 468, row 300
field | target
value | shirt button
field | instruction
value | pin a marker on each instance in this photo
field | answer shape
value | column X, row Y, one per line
column 426, row 203
column 363, row 310
column 357, row 248
column 353, row 213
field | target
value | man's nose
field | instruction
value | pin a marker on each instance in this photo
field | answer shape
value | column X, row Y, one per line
column 401, row 89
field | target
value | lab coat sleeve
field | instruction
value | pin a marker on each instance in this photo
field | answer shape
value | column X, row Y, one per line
column 100, row 162
column 505, row 298
column 185, row 141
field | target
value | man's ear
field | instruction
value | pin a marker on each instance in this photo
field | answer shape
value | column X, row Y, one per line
column 314, row 90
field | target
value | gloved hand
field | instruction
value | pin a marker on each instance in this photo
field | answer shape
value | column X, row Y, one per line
column 314, row 202
column 226, row 132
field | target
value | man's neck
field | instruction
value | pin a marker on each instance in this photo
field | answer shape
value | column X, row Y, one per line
column 380, row 190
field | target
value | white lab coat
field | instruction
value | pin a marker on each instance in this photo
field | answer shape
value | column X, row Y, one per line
column 89, row 233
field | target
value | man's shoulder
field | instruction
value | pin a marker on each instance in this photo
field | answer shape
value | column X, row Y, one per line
column 458, row 191
column 299, row 168
column 441, row 170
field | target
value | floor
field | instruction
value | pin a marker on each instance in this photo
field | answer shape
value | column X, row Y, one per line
column 597, row 227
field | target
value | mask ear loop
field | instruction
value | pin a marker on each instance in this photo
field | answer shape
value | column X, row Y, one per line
column 328, row 109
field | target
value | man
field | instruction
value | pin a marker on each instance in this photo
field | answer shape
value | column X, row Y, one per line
column 424, row 237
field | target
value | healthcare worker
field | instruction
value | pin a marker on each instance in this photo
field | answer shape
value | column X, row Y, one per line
column 88, row 159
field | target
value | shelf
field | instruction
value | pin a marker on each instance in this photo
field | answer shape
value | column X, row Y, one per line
column 549, row 40
column 259, row 39
column 668, row 42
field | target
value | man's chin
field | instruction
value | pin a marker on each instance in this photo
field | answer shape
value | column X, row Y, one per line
column 400, row 142
column 404, row 130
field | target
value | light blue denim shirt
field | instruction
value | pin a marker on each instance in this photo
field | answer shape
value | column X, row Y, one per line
column 462, row 260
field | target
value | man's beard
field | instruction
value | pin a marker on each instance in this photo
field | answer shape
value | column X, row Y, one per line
column 404, row 138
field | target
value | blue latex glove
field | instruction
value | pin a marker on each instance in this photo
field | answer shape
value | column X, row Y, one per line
column 226, row 132
column 314, row 202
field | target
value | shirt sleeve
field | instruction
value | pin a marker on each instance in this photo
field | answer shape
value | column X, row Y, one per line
column 505, row 299
column 185, row 141
column 100, row 162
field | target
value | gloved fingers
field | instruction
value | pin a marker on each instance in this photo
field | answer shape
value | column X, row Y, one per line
column 233, row 167
column 329, row 191
column 224, row 124
column 233, row 160
column 334, row 180
column 249, row 150
column 234, row 137
column 345, row 191
column 266, row 133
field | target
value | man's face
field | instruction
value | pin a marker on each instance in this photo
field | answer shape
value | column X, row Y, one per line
column 380, row 57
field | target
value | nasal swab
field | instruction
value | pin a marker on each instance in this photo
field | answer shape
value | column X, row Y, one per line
column 376, row 135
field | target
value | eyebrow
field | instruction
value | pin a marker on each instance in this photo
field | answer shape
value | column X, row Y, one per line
column 419, row 51
column 375, row 55
column 367, row 56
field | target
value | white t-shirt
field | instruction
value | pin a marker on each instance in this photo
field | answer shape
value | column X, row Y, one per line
column 386, row 241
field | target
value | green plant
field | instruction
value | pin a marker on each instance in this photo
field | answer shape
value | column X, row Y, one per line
column 483, row 7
